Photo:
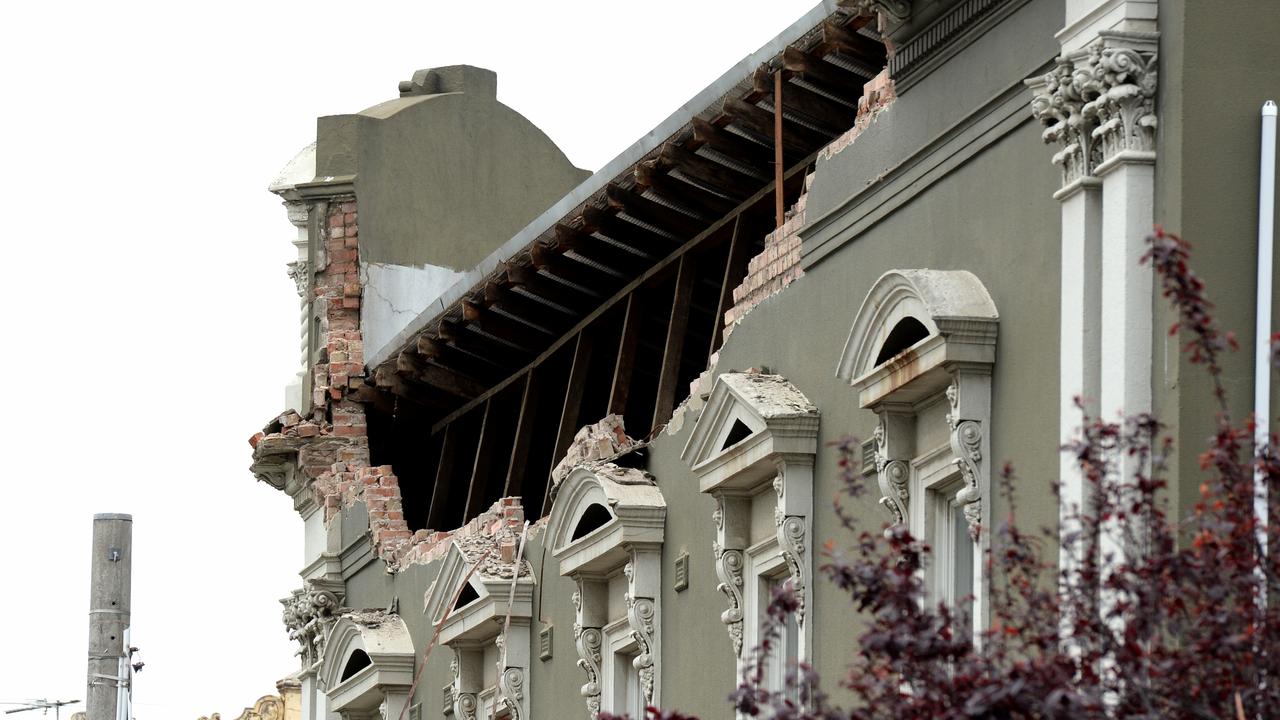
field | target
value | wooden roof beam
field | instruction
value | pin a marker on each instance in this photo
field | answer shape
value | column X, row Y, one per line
column 650, row 175
column 744, row 150
column 553, row 319
column 578, row 274
column 832, row 78
column 607, row 223
column 621, row 260
column 723, row 178
column 542, row 289
column 386, row 378
column 492, row 349
column 823, row 111
column 796, row 139
column 509, row 329
column 653, row 212
column 849, row 42
column 415, row 367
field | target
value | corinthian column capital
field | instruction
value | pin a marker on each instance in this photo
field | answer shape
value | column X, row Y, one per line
column 1097, row 105
column 1118, row 81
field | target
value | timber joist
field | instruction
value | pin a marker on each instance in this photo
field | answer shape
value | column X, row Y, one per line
column 687, row 191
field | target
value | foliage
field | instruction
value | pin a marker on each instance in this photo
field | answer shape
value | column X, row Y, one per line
column 1146, row 617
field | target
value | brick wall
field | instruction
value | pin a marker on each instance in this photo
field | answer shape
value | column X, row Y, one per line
column 778, row 265
column 330, row 445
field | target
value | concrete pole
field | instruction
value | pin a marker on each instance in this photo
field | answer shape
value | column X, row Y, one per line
column 108, row 611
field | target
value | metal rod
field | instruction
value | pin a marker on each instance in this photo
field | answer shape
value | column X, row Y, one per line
column 1262, row 337
column 778, row 190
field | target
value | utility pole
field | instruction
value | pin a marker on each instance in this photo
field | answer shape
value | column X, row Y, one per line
column 111, row 570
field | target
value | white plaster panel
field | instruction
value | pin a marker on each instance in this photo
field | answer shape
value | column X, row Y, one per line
column 314, row 537
column 1084, row 18
column 763, row 526
column 617, row 603
column 931, row 423
column 394, row 295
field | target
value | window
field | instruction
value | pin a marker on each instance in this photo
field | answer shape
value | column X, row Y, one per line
column 477, row 629
column 752, row 450
column 606, row 531
column 786, row 653
column 920, row 355
column 367, row 666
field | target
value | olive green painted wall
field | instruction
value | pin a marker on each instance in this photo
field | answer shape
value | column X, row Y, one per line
column 992, row 213
column 1217, row 65
column 443, row 179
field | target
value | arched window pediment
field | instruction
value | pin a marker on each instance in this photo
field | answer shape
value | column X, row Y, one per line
column 901, row 374
column 959, row 321
column 357, row 684
column 581, row 538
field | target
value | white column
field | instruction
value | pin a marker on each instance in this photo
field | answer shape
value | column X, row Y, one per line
column 1127, row 219
column 1079, row 323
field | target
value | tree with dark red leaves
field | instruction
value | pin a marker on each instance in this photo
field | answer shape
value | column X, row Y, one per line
column 1149, row 617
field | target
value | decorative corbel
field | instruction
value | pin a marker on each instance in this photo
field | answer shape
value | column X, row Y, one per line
column 966, row 445
column 589, row 641
column 727, row 550
column 465, row 704
column 792, row 533
column 895, row 445
column 511, row 692
column 641, row 616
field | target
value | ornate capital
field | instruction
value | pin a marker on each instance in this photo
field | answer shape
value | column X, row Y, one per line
column 309, row 613
column 1058, row 105
column 1098, row 105
column 299, row 272
column 1120, row 86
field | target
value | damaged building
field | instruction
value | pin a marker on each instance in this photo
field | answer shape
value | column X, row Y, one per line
column 556, row 436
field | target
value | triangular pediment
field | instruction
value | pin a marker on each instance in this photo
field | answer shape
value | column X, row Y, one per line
column 748, row 418
column 445, row 590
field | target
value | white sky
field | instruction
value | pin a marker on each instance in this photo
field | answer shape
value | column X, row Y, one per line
column 149, row 326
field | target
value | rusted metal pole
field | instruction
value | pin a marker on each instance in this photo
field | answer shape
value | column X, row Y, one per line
column 110, row 581
column 778, row 169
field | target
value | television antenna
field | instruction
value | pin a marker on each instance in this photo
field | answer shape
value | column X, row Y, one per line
column 40, row 704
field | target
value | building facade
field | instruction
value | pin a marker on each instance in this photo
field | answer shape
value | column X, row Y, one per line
column 557, row 436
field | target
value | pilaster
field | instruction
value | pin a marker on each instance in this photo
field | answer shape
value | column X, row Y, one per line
column 1098, row 107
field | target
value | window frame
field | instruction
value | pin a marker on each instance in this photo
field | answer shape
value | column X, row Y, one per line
column 955, row 360
column 774, row 460
column 630, row 542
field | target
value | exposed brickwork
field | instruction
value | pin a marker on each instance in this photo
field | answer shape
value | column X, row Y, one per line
column 779, row 264
column 773, row 269
column 877, row 94
column 330, row 445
